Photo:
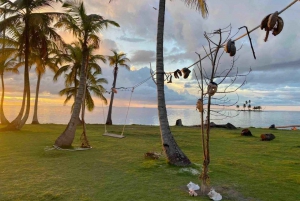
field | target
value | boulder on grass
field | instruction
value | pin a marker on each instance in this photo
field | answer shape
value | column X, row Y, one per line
column 272, row 126
column 267, row 137
column 179, row 122
column 246, row 132
column 230, row 126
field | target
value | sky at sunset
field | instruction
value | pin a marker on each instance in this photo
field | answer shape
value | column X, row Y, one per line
column 274, row 80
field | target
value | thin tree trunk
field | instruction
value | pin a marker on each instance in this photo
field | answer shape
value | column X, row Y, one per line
column 174, row 154
column 109, row 119
column 67, row 137
column 2, row 117
column 35, row 116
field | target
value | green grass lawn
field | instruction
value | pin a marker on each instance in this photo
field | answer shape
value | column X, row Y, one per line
column 242, row 168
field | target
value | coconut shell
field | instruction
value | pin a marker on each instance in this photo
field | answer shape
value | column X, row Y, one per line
column 227, row 46
column 233, row 49
column 176, row 75
column 272, row 20
column 186, row 72
column 279, row 27
column 264, row 22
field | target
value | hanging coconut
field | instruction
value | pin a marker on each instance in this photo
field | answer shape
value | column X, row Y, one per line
column 232, row 49
column 264, row 22
column 272, row 20
column 176, row 73
column 186, row 72
column 227, row 47
column 212, row 88
column 199, row 105
column 114, row 90
column 278, row 27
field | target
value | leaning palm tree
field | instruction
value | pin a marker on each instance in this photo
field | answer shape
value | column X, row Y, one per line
column 117, row 60
column 174, row 154
column 25, row 12
column 85, row 28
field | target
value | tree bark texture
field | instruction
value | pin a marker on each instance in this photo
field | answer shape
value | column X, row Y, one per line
column 174, row 154
column 2, row 116
column 35, row 116
column 109, row 119
column 67, row 137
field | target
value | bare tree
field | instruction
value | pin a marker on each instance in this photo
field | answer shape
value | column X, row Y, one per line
column 215, row 86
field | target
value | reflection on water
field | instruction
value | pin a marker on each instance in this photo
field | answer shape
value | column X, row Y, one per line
column 149, row 116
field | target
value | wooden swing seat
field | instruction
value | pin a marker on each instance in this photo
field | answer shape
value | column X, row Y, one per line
column 113, row 135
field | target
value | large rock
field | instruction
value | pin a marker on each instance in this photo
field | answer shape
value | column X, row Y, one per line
column 267, row 137
column 246, row 132
column 179, row 122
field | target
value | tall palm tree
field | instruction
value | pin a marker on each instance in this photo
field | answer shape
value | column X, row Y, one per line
column 174, row 154
column 117, row 60
column 41, row 64
column 25, row 12
column 237, row 106
column 244, row 106
column 85, row 28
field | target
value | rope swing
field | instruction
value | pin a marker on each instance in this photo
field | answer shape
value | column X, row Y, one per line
column 122, row 134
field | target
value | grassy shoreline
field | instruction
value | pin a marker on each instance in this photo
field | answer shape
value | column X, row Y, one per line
column 242, row 168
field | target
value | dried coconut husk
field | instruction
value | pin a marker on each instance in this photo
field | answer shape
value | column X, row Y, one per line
column 233, row 49
column 272, row 20
column 279, row 26
column 212, row 88
column 227, row 47
column 199, row 105
column 264, row 22
column 186, row 72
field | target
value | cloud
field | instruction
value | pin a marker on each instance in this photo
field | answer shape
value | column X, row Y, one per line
column 128, row 39
column 142, row 57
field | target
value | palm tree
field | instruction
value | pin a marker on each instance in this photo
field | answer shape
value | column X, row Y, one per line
column 93, row 86
column 24, row 12
column 249, row 107
column 174, row 154
column 244, row 106
column 72, row 61
column 237, row 106
column 41, row 64
column 85, row 28
column 117, row 60
column 6, row 65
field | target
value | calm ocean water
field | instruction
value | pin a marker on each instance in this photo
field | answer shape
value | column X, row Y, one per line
column 149, row 116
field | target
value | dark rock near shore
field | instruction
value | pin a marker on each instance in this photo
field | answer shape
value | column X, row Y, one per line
column 179, row 122
column 267, row 137
column 272, row 126
column 246, row 132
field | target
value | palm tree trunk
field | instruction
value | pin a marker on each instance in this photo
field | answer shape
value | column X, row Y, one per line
column 174, row 154
column 109, row 120
column 19, row 122
column 67, row 137
column 2, row 116
column 35, row 116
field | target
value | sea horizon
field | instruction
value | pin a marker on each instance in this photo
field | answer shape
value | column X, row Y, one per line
column 149, row 116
